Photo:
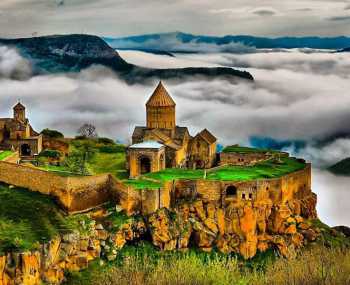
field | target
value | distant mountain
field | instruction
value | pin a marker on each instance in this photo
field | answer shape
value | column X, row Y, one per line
column 341, row 168
column 344, row 50
column 72, row 53
column 182, row 42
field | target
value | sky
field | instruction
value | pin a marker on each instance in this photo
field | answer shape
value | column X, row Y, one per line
column 23, row 18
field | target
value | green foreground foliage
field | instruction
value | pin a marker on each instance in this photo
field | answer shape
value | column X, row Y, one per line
column 142, row 264
column 5, row 154
column 29, row 218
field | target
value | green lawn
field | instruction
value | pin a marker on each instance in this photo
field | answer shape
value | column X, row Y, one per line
column 243, row 149
column 29, row 218
column 113, row 163
column 267, row 169
column 4, row 154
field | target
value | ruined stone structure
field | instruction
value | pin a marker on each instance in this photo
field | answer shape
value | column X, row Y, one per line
column 181, row 150
column 16, row 133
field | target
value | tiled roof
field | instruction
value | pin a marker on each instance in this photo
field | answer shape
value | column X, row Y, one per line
column 160, row 98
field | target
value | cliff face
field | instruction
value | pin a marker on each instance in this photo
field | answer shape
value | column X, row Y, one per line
column 243, row 228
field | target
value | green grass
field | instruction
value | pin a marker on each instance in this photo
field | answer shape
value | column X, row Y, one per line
column 142, row 264
column 113, row 163
column 243, row 149
column 29, row 218
column 5, row 154
column 341, row 168
column 267, row 169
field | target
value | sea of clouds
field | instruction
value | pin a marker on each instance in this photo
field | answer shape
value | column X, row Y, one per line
column 296, row 95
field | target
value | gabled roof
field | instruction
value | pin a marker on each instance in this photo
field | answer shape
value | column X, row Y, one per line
column 207, row 136
column 160, row 98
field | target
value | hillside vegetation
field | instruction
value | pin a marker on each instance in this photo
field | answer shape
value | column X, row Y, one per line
column 142, row 264
column 29, row 218
column 341, row 168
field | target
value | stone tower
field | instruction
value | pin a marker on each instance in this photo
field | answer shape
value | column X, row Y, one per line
column 19, row 112
column 160, row 109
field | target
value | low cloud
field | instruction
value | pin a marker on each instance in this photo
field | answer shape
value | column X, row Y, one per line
column 264, row 12
column 332, row 197
column 339, row 18
column 295, row 96
column 12, row 65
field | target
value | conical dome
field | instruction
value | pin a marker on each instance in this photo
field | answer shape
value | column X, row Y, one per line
column 19, row 106
column 160, row 98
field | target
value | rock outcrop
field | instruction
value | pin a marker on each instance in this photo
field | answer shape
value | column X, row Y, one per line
column 244, row 227
column 70, row 252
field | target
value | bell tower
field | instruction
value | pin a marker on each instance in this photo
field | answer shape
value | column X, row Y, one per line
column 19, row 112
column 160, row 109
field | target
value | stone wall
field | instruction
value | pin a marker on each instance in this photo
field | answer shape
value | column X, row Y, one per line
column 75, row 194
column 235, row 158
column 279, row 190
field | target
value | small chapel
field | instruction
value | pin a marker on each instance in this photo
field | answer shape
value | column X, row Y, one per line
column 16, row 133
column 163, row 144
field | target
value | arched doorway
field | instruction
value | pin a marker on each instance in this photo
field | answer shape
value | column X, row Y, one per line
column 231, row 191
column 145, row 165
column 25, row 150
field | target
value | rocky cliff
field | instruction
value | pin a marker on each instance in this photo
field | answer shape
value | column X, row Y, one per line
column 243, row 228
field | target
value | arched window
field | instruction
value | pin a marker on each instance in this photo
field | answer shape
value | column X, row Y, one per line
column 231, row 191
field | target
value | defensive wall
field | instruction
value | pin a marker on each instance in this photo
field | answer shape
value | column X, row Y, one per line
column 236, row 158
column 78, row 194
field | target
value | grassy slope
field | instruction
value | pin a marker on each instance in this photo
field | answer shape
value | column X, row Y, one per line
column 27, row 218
column 243, row 149
column 114, row 163
column 341, row 168
column 5, row 154
column 267, row 169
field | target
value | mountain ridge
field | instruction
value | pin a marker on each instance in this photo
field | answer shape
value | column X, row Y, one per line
column 162, row 41
column 72, row 53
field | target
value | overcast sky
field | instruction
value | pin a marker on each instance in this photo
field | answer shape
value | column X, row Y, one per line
column 219, row 17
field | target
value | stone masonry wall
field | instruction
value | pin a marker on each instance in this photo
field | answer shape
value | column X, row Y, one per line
column 75, row 194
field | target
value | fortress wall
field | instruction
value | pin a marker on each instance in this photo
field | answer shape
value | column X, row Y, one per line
column 127, row 197
column 74, row 194
column 209, row 190
column 32, row 178
column 242, row 159
column 88, row 192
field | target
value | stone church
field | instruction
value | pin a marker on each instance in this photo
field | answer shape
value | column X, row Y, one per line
column 162, row 144
column 17, row 134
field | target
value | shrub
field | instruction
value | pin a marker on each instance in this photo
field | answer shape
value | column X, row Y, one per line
column 50, row 153
column 52, row 133
column 112, row 148
column 105, row 141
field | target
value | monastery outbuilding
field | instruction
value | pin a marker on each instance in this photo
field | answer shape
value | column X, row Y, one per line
column 17, row 134
column 162, row 144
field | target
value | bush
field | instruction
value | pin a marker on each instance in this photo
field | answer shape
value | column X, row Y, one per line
column 112, row 149
column 52, row 133
column 50, row 153
column 105, row 141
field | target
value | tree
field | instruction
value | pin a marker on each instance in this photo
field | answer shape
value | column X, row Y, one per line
column 88, row 131
column 52, row 133
column 76, row 163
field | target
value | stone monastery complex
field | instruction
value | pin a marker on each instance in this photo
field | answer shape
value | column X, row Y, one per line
column 241, row 200
column 162, row 144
